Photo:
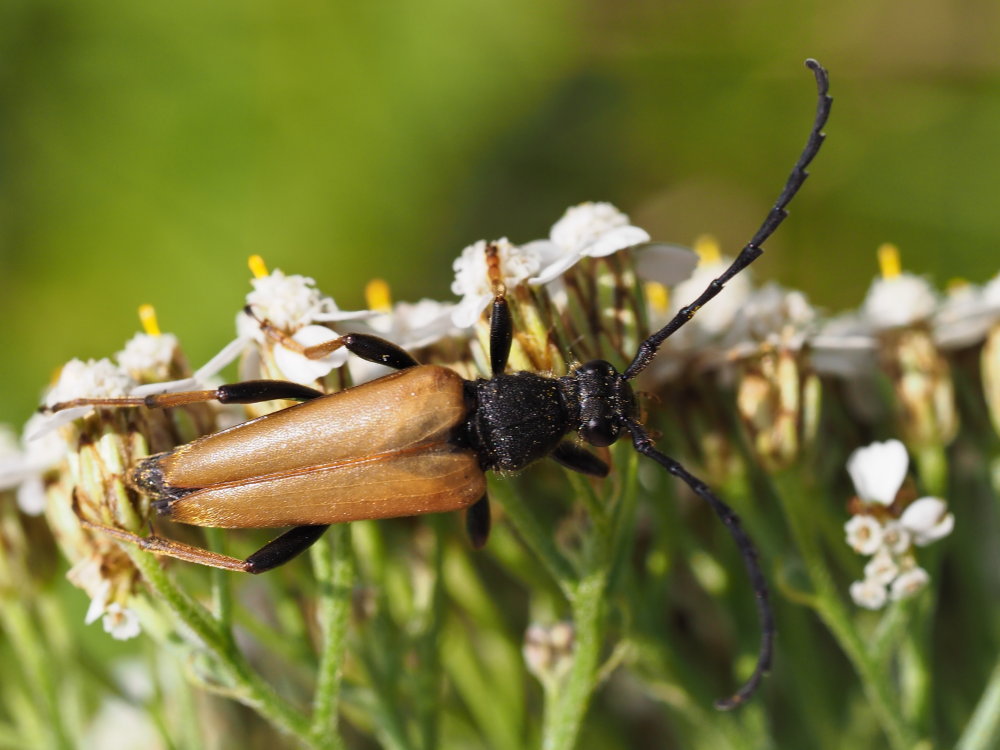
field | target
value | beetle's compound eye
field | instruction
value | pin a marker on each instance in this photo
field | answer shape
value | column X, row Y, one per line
column 600, row 431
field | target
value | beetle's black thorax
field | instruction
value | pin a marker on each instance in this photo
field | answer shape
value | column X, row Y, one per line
column 516, row 419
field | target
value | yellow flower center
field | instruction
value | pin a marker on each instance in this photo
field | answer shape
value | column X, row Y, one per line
column 147, row 316
column 257, row 266
column 708, row 250
column 377, row 296
column 888, row 260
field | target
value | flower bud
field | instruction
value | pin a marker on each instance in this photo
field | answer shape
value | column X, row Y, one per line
column 778, row 403
column 921, row 378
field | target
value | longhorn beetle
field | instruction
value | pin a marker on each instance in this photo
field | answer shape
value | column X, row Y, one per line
column 419, row 440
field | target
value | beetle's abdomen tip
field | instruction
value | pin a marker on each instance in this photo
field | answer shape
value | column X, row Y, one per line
column 147, row 476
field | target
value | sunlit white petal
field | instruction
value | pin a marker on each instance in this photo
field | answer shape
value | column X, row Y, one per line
column 928, row 520
column 472, row 282
column 869, row 594
column 909, row 583
column 121, row 622
column 899, row 301
column 864, row 534
column 882, row 568
column 878, row 471
column 299, row 368
column 664, row 263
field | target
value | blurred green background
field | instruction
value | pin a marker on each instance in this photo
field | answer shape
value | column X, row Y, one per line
column 146, row 149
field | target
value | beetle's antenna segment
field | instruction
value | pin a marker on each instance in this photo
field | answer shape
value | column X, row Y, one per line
column 752, row 250
column 644, row 445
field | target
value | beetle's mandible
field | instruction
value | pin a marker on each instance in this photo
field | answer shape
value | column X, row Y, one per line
column 419, row 440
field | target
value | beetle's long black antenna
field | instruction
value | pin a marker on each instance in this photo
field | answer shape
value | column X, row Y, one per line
column 644, row 444
column 753, row 249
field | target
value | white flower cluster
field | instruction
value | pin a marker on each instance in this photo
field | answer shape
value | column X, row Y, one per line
column 588, row 230
column 878, row 472
column 846, row 344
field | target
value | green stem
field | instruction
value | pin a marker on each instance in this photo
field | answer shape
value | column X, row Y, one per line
column 334, row 570
column 565, row 711
column 428, row 677
column 796, row 498
column 983, row 730
column 222, row 590
column 31, row 652
column 535, row 537
column 253, row 690
column 932, row 467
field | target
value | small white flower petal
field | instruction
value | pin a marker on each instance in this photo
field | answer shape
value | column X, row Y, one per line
column 416, row 325
column 844, row 347
column 882, row 568
column 336, row 316
column 928, row 520
column 31, row 496
column 121, row 622
column 614, row 240
column 92, row 379
column 896, row 537
column 878, row 471
column 99, row 601
column 909, row 583
column 472, row 281
column 50, row 422
column 869, row 594
column 963, row 318
column 225, row 356
column 555, row 269
column 287, row 302
column 899, row 301
column 166, row 386
column 148, row 355
column 665, row 263
column 585, row 224
column 301, row 369
column 864, row 534
column 467, row 312
column 546, row 251
column 715, row 318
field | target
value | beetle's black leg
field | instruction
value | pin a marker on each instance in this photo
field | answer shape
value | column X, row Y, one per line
column 501, row 327
column 576, row 458
column 643, row 444
column 279, row 551
column 378, row 350
column 753, row 249
column 255, row 391
column 366, row 346
column 477, row 522
column 271, row 555
column 501, row 335
column 247, row 392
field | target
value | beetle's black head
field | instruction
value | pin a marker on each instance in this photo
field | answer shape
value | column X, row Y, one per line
column 605, row 401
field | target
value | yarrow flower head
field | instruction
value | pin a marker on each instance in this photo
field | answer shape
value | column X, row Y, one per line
column 412, row 326
column 772, row 316
column 715, row 319
column 588, row 230
column 897, row 298
column 548, row 652
column 886, row 527
column 25, row 467
column 472, row 278
column 967, row 313
column 282, row 317
column 99, row 446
